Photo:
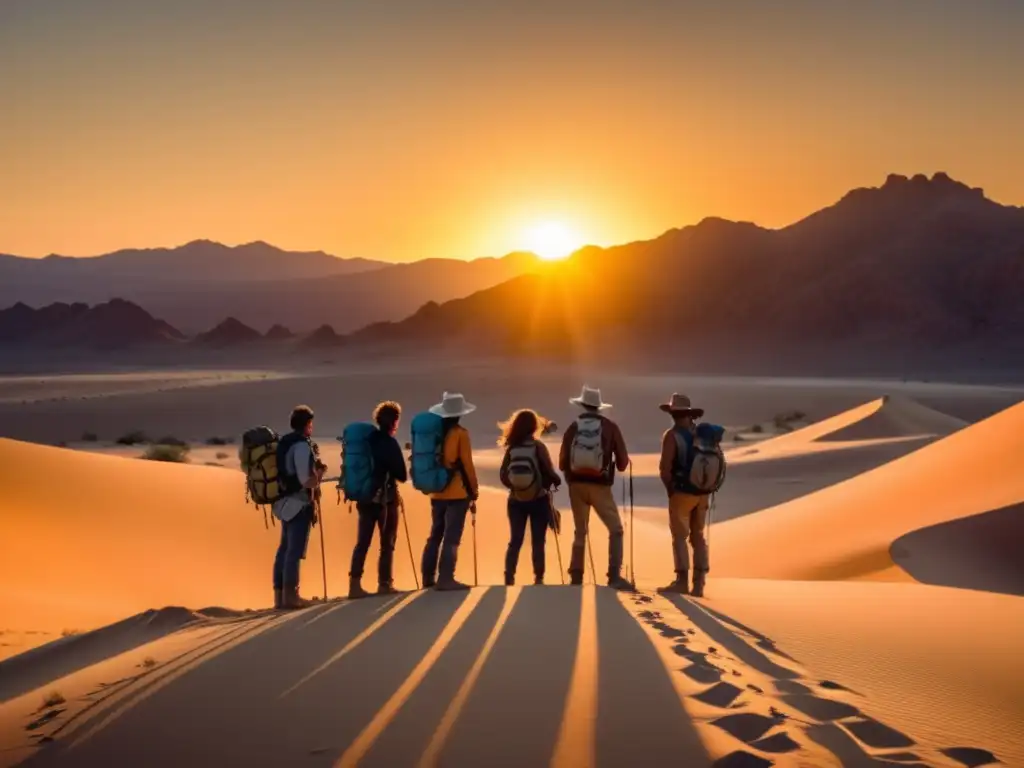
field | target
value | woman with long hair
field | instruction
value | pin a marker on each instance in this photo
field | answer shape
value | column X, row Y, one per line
column 529, row 474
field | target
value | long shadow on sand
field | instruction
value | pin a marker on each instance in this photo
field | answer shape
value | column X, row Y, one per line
column 979, row 552
column 38, row 666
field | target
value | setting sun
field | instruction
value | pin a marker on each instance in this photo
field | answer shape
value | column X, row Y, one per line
column 552, row 240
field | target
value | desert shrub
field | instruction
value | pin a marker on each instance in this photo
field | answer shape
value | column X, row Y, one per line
column 133, row 438
column 53, row 699
column 90, row 437
column 787, row 417
column 219, row 440
column 70, row 633
column 171, row 440
column 221, row 455
column 177, row 454
column 757, row 429
column 149, row 662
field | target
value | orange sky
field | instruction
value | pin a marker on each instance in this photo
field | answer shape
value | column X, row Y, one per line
column 405, row 129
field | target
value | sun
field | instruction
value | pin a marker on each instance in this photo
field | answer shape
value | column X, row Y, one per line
column 552, row 240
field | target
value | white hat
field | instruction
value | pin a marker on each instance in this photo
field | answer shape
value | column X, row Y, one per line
column 452, row 405
column 590, row 397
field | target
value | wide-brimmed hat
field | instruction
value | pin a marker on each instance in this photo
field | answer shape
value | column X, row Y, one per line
column 591, row 398
column 681, row 404
column 452, row 404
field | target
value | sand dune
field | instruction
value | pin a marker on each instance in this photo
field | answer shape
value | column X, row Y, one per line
column 767, row 670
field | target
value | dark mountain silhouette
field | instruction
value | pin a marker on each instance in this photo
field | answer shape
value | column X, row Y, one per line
column 278, row 333
column 229, row 333
column 113, row 325
column 324, row 336
column 914, row 262
column 199, row 284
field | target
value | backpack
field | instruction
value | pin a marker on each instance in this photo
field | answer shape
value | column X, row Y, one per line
column 258, row 457
column 357, row 480
column 586, row 454
column 700, row 462
column 427, row 469
column 524, row 471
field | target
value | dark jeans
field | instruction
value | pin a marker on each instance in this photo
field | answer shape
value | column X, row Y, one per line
column 291, row 550
column 537, row 512
column 385, row 518
column 448, row 518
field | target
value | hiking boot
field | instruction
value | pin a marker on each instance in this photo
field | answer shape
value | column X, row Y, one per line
column 450, row 585
column 538, row 579
column 278, row 599
column 291, row 600
column 428, row 582
column 510, row 581
column 698, row 584
column 576, row 579
column 680, row 586
column 387, row 589
column 355, row 589
column 617, row 582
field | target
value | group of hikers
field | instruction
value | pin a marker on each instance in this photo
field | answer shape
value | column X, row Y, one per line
column 592, row 450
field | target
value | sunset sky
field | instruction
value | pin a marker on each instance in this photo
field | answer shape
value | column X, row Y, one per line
column 401, row 130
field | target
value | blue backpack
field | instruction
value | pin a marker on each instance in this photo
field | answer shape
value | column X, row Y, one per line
column 429, row 475
column 356, row 481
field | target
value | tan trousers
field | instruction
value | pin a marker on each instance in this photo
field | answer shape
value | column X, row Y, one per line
column 687, row 519
column 583, row 497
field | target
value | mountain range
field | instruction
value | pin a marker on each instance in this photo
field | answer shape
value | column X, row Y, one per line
column 200, row 283
column 922, row 263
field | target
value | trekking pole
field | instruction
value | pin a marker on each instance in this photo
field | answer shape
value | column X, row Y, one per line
column 323, row 549
column 632, row 561
column 408, row 541
column 472, row 510
column 558, row 542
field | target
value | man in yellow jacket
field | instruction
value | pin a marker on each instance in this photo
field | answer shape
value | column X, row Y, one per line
column 448, row 508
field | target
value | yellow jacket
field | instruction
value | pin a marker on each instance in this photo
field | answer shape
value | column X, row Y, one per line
column 457, row 448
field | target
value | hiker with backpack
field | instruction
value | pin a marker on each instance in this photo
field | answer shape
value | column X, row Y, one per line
column 692, row 468
column 442, row 467
column 592, row 449
column 299, row 476
column 378, row 507
column 528, row 473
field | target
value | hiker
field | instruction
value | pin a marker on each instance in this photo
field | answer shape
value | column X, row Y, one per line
column 449, row 504
column 299, row 475
column 687, row 505
column 527, row 472
column 592, row 449
column 382, row 512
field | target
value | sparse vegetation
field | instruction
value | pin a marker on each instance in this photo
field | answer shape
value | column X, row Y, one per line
column 785, row 420
column 221, row 455
column 90, row 437
column 177, row 454
column 133, row 438
column 171, row 440
column 53, row 699
column 149, row 662
column 219, row 440
column 70, row 632
column 757, row 429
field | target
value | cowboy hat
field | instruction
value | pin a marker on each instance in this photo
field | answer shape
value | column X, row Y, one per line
column 591, row 398
column 681, row 404
column 452, row 405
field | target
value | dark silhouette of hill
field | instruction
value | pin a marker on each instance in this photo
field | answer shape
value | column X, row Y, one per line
column 198, row 284
column 228, row 333
column 914, row 262
column 278, row 333
column 115, row 324
column 324, row 336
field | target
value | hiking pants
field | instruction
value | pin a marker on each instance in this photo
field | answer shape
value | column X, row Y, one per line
column 384, row 518
column 448, row 518
column 583, row 497
column 537, row 512
column 687, row 518
column 294, row 538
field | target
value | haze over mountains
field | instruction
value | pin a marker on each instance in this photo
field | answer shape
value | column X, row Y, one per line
column 199, row 284
column 917, row 263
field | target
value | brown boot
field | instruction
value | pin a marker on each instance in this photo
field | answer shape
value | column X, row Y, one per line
column 698, row 583
column 680, row 586
column 278, row 599
column 355, row 589
column 291, row 600
column 386, row 588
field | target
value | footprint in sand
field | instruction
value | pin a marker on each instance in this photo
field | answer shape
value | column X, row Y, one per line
column 747, row 727
column 41, row 721
column 876, row 734
column 971, row 757
column 776, row 744
column 721, row 695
